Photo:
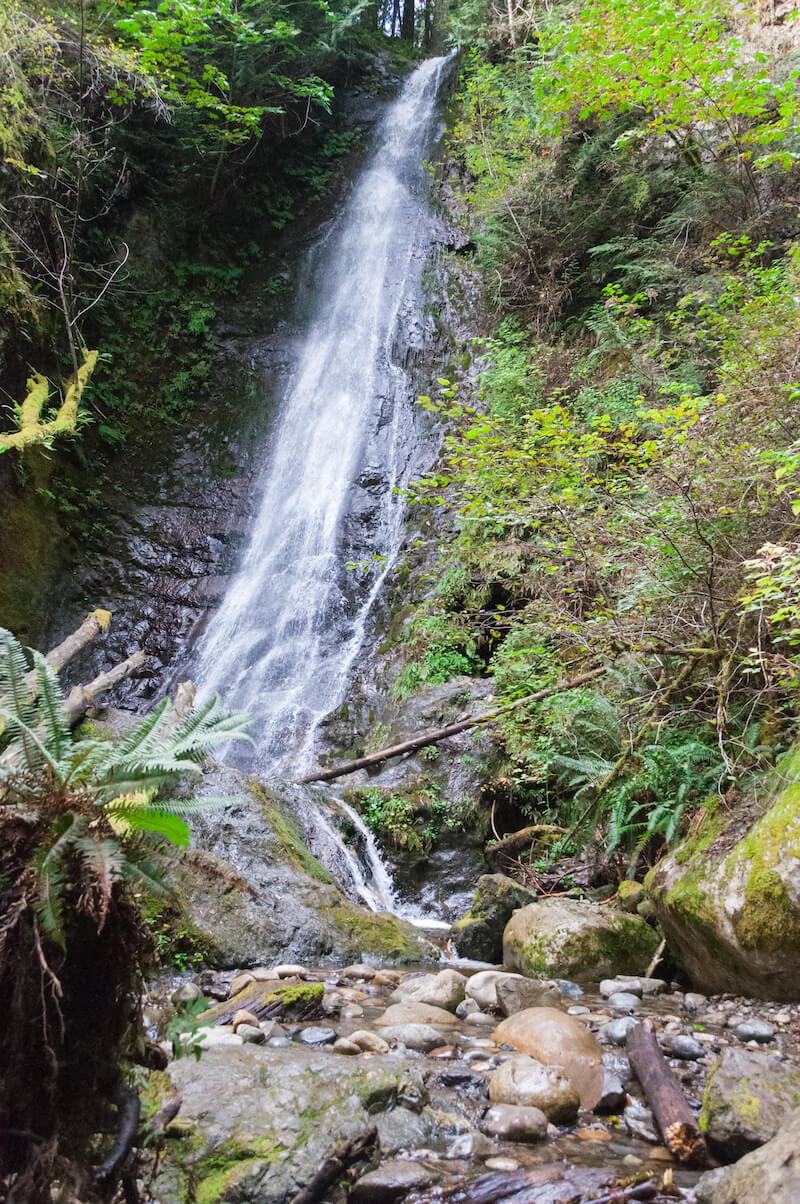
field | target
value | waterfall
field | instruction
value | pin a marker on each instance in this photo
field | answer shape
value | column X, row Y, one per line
column 285, row 638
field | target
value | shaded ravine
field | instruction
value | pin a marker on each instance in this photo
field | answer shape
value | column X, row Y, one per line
column 293, row 620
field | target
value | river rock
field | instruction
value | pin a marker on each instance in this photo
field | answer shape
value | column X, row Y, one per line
column 624, row 1001
column 391, row 1181
column 482, row 989
column 732, row 914
column 630, row 895
column 755, row 1030
column 415, row 1013
column 187, row 992
column 420, row 1037
column 512, row 1122
column 402, row 1129
column 316, row 1035
column 445, row 990
column 479, row 933
column 251, row 1034
column 616, row 1031
column 769, row 1175
column 614, row 986
column 556, row 1039
column 567, row 938
column 685, row 1047
column 748, row 1097
column 523, row 1081
column 254, row 1103
column 613, row 1095
column 369, row 1040
column 342, row 1045
column 230, row 914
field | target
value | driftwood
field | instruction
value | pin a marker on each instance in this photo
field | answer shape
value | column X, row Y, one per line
column 434, row 735
column 80, row 698
column 515, row 842
column 675, row 1119
column 345, row 1155
column 57, row 657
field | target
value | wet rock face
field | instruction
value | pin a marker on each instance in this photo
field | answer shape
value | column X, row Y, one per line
column 769, row 1175
column 732, row 915
column 227, row 896
column 479, row 933
column 566, row 938
column 748, row 1097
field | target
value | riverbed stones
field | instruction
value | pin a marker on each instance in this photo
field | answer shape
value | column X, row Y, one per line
column 517, row 989
column 732, row 914
column 616, row 1031
column 523, row 1081
column 415, row 1013
column 316, row 1034
column 420, row 1037
column 512, row 1122
column 755, row 1030
column 748, row 1096
column 769, row 1175
column 556, row 1039
column 445, row 990
column 624, row 1001
column 567, row 938
column 391, row 1181
column 479, row 933
column 254, row 1103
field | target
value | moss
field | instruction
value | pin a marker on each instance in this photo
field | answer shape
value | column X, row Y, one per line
column 288, row 835
column 380, row 935
column 295, row 1000
column 231, row 1163
column 626, row 941
column 769, row 920
column 177, row 940
column 156, row 1092
column 740, row 1100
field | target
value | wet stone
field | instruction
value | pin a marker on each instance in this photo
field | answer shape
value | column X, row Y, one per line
column 189, row 992
column 616, row 1031
column 755, row 1030
column 512, row 1122
column 391, row 1181
column 686, row 1048
column 251, row 1034
column 624, row 1001
column 316, row 1035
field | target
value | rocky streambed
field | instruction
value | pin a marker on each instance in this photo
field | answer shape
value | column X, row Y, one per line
column 461, row 1084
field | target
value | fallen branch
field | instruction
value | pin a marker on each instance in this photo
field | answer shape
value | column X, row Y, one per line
column 343, row 1157
column 515, row 842
column 435, row 735
column 80, row 698
column 674, row 1117
column 57, row 657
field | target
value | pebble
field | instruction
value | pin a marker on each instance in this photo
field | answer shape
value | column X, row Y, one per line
column 289, row 971
column 471, row 1145
column 466, row 1008
column 568, row 988
column 501, row 1164
column 240, row 982
column 631, row 1160
column 624, row 1001
column 352, row 1011
column 755, row 1030
column 365, row 1039
column 593, row 1134
column 444, row 1052
column 189, row 992
column 362, row 972
column 616, row 1031
column 686, row 1047
column 617, row 986
column 343, row 1046
column 578, row 1009
column 245, row 1017
column 251, row 1034
column 279, row 1042
column 482, row 1018
column 316, row 1035
column 783, row 1017
column 694, row 1002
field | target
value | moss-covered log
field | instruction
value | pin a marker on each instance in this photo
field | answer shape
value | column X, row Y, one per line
column 32, row 429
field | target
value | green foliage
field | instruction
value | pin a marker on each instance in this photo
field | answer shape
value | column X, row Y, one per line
column 411, row 821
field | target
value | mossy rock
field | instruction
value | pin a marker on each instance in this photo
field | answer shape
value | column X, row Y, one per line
column 479, row 933
column 290, row 1001
column 747, row 1098
column 567, row 938
column 731, row 911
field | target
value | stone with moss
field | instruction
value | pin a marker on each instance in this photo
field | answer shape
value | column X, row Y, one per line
column 769, row 1175
column 479, row 933
column 569, row 938
column 290, row 1002
column 730, row 908
column 277, row 1114
column 747, row 1098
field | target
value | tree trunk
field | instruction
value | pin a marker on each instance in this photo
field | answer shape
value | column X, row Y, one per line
column 675, row 1119
column 407, row 23
column 81, row 697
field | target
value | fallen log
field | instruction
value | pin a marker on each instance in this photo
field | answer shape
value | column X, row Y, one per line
column 435, row 735
column 515, row 842
column 80, row 698
column 345, row 1155
column 674, row 1117
column 57, row 657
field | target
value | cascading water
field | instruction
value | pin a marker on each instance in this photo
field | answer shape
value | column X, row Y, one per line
column 290, row 627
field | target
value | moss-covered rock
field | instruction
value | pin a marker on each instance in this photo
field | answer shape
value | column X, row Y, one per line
column 276, row 1115
column 731, row 911
column 479, row 933
column 291, row 1001
column 567, row 938
column 769, row 1175
column 747, row 1098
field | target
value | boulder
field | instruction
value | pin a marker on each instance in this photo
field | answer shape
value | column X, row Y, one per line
column 415, row 1013
column 420, row 1037
column 527, row 1083
column 445, row 990
column 482, row 989
column 569, row 938
column 392, row 1181
column 769, row 1175
column 556, row 1039
column 479, row 933
column 731, row 913
column 747, row 1098
column 511, row 1122
column 257, row 1141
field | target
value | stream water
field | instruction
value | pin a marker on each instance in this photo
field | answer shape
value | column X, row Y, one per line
column 293, row 620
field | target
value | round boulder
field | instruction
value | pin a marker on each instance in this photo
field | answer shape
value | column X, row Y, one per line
column 511, row 1122
column 557, row 1039
column 569, row 938
column 527, row 1083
